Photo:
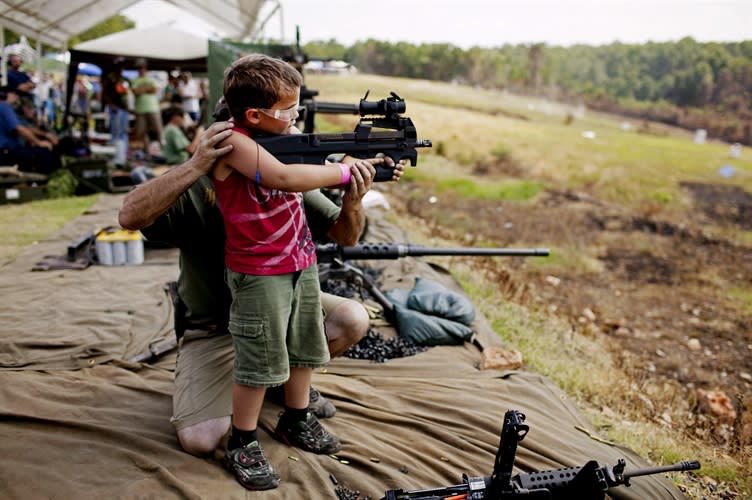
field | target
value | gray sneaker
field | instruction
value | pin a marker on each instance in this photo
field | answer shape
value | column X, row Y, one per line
column 319, row 405
column 307, row 435
column 250, row 467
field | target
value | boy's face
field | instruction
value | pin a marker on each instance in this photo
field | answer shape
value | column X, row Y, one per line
column 281, row 117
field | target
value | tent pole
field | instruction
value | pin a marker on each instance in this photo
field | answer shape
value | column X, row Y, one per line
column 39, row 59
column 260, row 27
column 3, row 62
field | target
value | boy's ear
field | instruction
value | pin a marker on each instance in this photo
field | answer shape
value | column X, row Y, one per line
column 252, row 116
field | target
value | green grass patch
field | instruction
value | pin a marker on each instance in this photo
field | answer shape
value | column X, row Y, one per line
column 26, row 223
column 743, row 297
column 512, row 190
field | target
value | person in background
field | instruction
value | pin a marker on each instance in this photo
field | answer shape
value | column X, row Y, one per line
column 115, row 88
column 146, row 106
column 176, row 147
column 42, row 92
column 190, row 93
column 203, row 102
column 18, row 79
column 27, row 117
column 22, row 145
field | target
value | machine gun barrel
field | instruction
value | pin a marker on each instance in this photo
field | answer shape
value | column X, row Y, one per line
column 385, row 251
column 684, row 465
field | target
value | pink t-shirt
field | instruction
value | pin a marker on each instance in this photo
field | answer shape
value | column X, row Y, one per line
column 267, row 231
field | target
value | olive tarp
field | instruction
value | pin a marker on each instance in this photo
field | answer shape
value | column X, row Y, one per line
column 77, row 421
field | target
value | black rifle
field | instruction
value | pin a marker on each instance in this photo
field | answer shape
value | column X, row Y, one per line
column 589, row 482
column 310, row 107
column 382, row 129
column 332, row 262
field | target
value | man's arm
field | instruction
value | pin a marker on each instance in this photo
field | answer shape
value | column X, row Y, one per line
column 350, row 223
column 27, row 86
column 31, row 138
column 43, row 135
column 145, row 203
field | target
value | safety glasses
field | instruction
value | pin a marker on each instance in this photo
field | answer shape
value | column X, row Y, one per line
column 283, row 114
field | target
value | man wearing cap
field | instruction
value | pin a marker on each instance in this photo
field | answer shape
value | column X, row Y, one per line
column 36, row 155
column 146, row 109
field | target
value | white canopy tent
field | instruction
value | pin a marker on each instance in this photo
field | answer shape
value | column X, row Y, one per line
column 55, row 22
column 157, row 42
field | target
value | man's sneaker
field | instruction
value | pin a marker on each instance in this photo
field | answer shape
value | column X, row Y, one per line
column 307, row 435
column 319, row 405
column 250, row 467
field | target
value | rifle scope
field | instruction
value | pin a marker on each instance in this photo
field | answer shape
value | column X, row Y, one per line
column 390, row 106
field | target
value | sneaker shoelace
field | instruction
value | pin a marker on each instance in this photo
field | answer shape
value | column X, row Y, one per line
column 313, row 426
column 251, row 455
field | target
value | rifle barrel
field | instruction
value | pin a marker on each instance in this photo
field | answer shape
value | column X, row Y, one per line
column 395, row 251
column 335, row 108
column 684, row 465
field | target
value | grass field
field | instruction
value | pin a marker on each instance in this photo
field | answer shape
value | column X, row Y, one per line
column 633, row 167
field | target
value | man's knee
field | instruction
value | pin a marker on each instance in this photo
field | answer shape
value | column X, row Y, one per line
column 348, row 321
column 203, row 438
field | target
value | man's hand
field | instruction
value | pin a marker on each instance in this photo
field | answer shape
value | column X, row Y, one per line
column 206, row 151
column 399, row 167
column 43, row 143
column 144, row 204
column 361, row 180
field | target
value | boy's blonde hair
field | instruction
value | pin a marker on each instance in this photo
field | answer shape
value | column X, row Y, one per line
column 258, row 81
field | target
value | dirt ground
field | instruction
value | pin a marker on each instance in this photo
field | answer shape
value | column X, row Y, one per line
column 655, row 287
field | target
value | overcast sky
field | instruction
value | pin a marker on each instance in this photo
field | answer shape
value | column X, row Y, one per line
column 486, row 23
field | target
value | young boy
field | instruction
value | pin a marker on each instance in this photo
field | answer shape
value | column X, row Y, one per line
column 275, row 317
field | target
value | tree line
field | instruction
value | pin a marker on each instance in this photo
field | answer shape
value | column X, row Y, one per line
column 685, row 83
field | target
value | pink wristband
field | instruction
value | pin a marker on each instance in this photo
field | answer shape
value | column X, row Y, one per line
column 345, row 168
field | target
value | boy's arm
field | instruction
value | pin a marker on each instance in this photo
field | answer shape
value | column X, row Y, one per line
column 145, row 203
column 254, row 162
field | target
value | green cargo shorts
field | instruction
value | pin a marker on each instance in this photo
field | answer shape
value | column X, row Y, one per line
column 203, row 375
column 276, row 323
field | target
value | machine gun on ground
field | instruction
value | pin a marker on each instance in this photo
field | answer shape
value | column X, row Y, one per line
column 332, row 260
column 381, row 130
column 589, row 482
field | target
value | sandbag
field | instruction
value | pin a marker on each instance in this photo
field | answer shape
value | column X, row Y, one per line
column 426, row 315
column 431, row 297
